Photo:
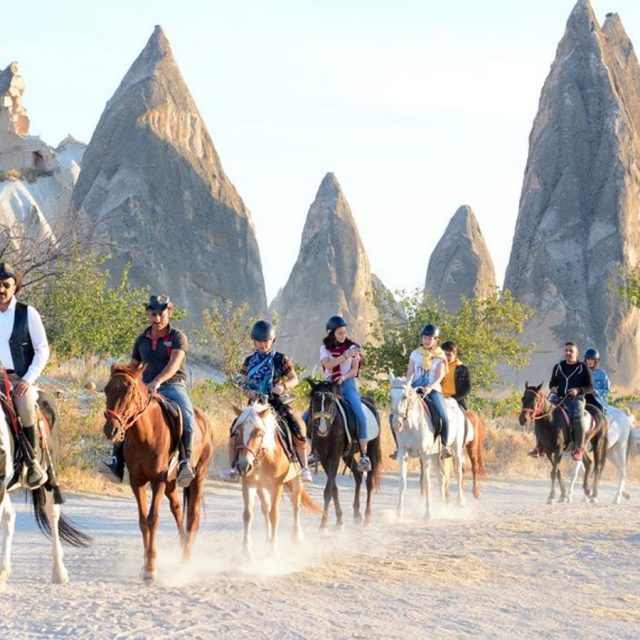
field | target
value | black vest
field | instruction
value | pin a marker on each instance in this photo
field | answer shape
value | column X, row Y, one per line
column 20, row 341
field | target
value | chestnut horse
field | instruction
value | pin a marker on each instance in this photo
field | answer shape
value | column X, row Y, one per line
column 135, row 415
column 331, row 442
column 265, row 469
column 475, row 450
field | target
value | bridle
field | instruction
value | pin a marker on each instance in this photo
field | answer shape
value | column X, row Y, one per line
column 133, row 410
column 256, row 452
column 323, row 414
column 539, row 406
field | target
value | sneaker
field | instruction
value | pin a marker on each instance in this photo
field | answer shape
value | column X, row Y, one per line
column 535, row 453
column 306, row 476
column 111, row 465
column 364, row 464
column 229, row 475
column 394, row 455
column 446, row 452
column 576, row 455
column 185, row 474
column 313, row 458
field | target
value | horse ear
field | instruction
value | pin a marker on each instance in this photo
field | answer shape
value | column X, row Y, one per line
column 264, row 413
column 237, row 410
column 539, row 386
column 312, row 383
column 526, row 384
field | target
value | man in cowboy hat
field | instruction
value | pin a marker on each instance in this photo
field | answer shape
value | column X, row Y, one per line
column 163, row 350
column 24, row 351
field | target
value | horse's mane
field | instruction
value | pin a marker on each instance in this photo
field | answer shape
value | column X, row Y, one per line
column 125, row 367
column 320, row 385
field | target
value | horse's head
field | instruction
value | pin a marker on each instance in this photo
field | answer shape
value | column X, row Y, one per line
column 532, row 403
column 253, row 429
column 322, row 409
column 400, row 395
column 126, row 399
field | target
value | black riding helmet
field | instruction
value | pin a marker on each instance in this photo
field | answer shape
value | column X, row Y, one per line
column 335, row 322
column 263, row 331
column 430, row 330
column 592, row 353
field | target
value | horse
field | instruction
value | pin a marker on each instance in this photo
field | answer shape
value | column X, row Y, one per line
column 265, row 469
column 475, row 450
column 332, row 442
column 135, row 415
column 415, row 438
column 552, row 432
column 46, row 500
column 620, row 426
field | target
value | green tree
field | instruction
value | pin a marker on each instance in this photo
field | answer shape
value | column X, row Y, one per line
column 486, row 331
column 225, row 333
column 85, row 315
column 628, row 285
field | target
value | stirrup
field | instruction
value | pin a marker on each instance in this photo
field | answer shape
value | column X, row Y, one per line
column 36, row 476
column 446, row 452
column 364, row 464
column 312, row 458
column 185, row 474
column 305, row 475
column 110, row 466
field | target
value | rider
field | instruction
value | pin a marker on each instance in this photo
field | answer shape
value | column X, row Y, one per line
column 428, row 366
column 457, row 381
column 267, row 372
column 570, row 381
column 601, row 384
column 24, row 352
column 163, row 350
column 341, row 359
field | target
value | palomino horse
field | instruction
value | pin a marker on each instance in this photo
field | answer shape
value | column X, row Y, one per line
column 475, row 450
column 620, row 426
column 265, row 469
column 135, row 415
column 552, row 432
column 415, row 438
column 46, row 505
column 332, row 443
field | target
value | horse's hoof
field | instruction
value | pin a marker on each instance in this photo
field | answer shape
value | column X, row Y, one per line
column 4, row 576
column 427, row 515
column 626, row 495
column 461, row 502
column 60, row 577
column 593, row 499
column 477, row 495
column 149, row 576
column 357, row 518
column 563, row 499
column 617, row 499
column 551, row 500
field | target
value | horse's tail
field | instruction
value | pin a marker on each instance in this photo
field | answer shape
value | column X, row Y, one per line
column 374, row 451
column 67, row 531
column 308, row 502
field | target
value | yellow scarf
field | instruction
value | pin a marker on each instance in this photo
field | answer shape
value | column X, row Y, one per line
column 429, row 354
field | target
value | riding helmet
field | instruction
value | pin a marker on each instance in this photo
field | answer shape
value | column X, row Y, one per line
column 335, row 322
column 592, row 353
column 430, row 330
column 263, row 331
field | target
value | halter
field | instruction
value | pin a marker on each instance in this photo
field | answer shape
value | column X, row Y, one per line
column 132, row 412
column 539, row 406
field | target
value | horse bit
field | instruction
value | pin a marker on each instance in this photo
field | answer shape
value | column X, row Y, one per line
column 129, row 417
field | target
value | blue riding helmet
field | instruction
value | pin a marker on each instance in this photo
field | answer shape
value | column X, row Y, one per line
column 592, row 353
column 263, row 331
column 430, row 330
column 335, row 322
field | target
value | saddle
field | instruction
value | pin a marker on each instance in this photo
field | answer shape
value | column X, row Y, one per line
column 173, row 417
column 434, row 415
column 285, row 437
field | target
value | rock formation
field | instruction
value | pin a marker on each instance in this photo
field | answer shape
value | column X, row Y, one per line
column 460, row 263
column 578, row 218
column 331, row 276
column 152, row 186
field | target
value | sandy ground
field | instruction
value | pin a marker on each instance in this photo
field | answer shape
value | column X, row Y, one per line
column 507, row 566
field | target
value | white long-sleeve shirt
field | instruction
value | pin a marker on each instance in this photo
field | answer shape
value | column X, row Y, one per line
column 38, row 339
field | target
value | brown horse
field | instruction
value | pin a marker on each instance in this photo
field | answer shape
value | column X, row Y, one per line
column 135, row 415
column 266, row 470
column 475, row 451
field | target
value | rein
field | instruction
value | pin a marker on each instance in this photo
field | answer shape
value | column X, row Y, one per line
column 132, row 413
column 540, row 399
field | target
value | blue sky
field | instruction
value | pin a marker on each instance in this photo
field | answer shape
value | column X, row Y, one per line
column 417, row 106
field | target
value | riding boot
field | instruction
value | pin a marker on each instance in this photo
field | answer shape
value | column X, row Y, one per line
column 185, row 470
column 578, row 440
column 115, row 463
column 36, row 475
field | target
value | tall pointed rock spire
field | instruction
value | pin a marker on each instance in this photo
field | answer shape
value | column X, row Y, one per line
column 460, row 263
column 331, row 276
column 152, row 185
column 577, row 223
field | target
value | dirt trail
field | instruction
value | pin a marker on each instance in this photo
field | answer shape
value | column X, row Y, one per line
column 507, row 566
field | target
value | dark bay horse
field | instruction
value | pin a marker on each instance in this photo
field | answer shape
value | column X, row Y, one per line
column 46, row 500
column 332, row 444
column 553, row 434
column 135, row 415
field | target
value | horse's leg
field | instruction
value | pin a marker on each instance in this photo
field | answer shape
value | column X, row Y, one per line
column 196, row 495
column 52, row 511
column 331, row 493
column 367, row 510
column 140, row 493
column 157, row 491
column 475, row 466
column 402, row 460
column 599, row 457
column 274, row 515
column 264, row 496
column 296, row 497
column 357, row 478
column 561, row 483
column 248, row 495
column 588, row 473
column 425, row 470
column 176, row 510
column 8, row 519
column 444, row 468
column 459, row 471
column 555, row 460
column 572, row 479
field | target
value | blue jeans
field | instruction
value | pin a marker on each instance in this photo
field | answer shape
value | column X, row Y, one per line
column 177, row 391
column 438, row 400
column 351, row 395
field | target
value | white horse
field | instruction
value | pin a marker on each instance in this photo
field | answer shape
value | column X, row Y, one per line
column 460, row 433
column 415, row 438
column 46, row 512
column 618, row 443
